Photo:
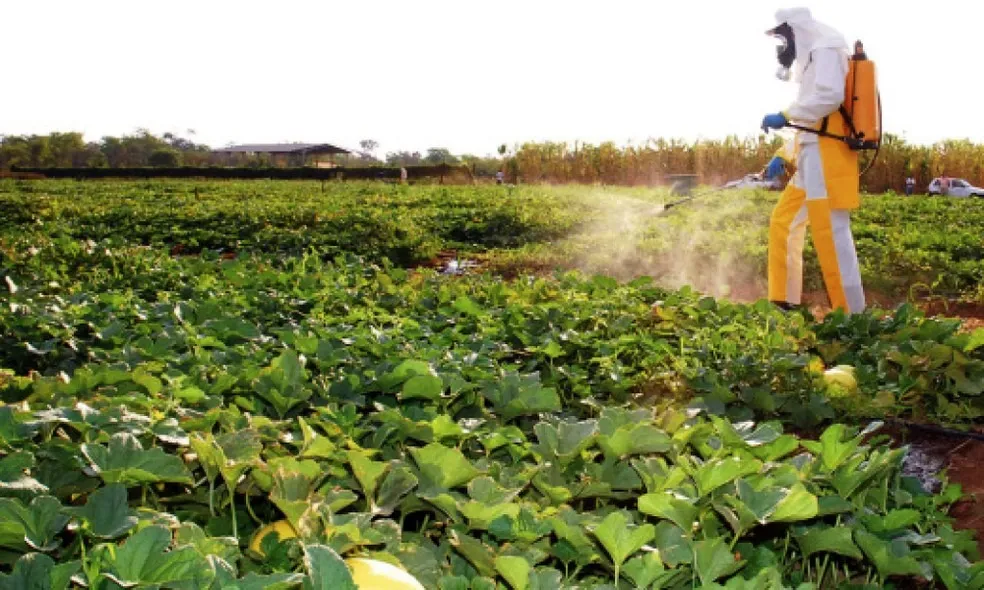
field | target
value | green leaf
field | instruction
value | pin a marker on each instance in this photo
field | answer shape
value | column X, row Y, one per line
column 227, row 328
column 444, row 467
column 522, row 525
column 144, row 559
column 893, row 521
column 226, row 548
column 976, row 340
column 426, row 387
column 552, row 349
column 444, row 427
column 832, row 448
column 565, row 440
column 546, row 579
column 717, row 472
column 13, row 468
column 760, row 503
column 574, row 543
column 713, row 560
column 168, row 431
column 282, row 384
column 477, row 553
column 635, row 439
column 665, row 505
column 12, row 430
column 828, row 505
column 467, row 306
column 777, row 449
column 763, row 434
column 106, row 512
column 453, row 583
column 152, row 384
column 551, row 483
column 673, row 544
column 397, row 483
column 36, row 571
column 241, row 450
column 209, row 453
column 799, row 504
column 403, row 372
column 125, row 461
column 316, row 446
column 326, row 570
column 891, row 559
column 336, row 499
column 481, row 516
column 293, row 490
column 832, row 540
column 515, row 395
column 644, row 570
column 366, row 471
column 40, row 522
column 620, row 540
column 657, row 476
column 515, row 570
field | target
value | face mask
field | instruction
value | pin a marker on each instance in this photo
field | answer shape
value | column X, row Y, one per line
column 785, row 49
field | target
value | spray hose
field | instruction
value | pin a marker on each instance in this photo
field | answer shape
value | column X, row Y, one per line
column 672, row 204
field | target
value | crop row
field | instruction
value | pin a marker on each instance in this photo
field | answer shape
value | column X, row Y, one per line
column 532, row 433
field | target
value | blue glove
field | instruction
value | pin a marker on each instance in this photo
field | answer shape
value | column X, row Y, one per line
column 774, row 121
column 775, row 168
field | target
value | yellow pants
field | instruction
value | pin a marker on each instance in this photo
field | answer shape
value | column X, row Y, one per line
column 805, row 202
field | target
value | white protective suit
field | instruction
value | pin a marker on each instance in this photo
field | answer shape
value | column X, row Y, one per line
column 825, row 186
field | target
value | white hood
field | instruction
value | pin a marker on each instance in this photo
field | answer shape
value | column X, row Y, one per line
column 809, row 34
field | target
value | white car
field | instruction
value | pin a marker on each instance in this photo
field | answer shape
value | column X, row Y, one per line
column 958, row 188
column 755, row 181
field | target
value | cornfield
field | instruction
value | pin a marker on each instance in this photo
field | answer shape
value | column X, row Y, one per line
column 716, row 161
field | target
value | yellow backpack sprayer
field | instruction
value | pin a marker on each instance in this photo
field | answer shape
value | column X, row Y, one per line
column 861, row 108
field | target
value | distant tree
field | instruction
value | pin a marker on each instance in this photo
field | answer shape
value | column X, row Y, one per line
column 440, row 156
column 486, row 166
column 95, row 158
column 403, row 158
column 368, row 153
column 164, row 158
column 369, row 146
column 66, row 150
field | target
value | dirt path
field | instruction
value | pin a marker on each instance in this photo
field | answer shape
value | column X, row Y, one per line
column 931, row 455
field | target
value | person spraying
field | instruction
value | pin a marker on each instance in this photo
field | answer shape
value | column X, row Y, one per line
column 824, row 188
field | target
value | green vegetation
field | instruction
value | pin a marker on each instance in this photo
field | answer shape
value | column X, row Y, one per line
column 561, row 431
column 928, row 246
column 714, row 161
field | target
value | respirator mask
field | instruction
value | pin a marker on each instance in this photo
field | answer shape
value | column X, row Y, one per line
column 785, row 49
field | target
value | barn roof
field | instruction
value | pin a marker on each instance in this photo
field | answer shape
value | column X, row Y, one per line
column 285, row 148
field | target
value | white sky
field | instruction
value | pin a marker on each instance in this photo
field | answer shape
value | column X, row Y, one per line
column 466, row 74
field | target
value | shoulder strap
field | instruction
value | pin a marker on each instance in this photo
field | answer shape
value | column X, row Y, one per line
column 848, row 120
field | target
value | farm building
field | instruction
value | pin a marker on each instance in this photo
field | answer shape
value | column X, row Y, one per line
column 321, row 155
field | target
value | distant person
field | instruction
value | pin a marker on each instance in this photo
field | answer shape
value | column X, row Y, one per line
column 824, row 188
column 944, row 185
column 910, row 185
column 499, row 177
column 403, row 175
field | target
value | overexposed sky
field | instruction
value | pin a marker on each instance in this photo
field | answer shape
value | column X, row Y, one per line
column 466, row 74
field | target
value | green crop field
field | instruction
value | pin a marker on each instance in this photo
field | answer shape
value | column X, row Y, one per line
column 182, row 363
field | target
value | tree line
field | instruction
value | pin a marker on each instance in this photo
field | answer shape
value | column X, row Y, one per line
column 713, row 161
column 144, row 149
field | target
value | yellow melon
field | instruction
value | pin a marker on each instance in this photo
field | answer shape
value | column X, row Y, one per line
column 371, row 574
column 283, row 529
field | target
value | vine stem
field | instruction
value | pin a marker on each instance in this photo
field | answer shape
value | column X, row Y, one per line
column 232, row 506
